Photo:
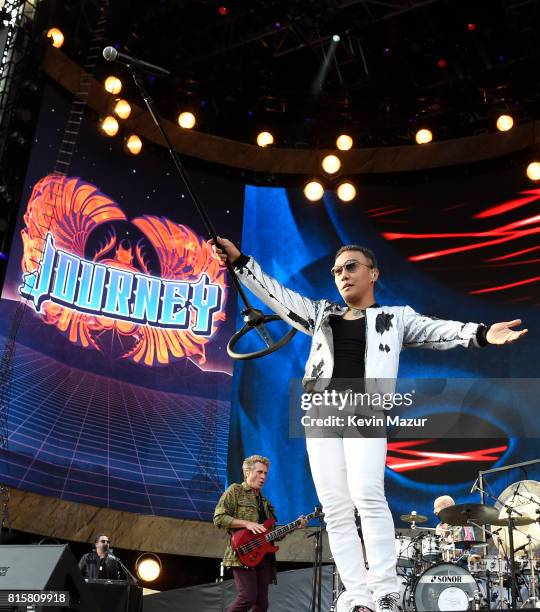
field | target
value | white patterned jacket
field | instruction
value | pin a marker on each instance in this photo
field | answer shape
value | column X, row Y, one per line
column 389, row 329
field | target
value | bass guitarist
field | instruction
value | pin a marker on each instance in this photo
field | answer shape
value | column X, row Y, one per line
column 242, row 506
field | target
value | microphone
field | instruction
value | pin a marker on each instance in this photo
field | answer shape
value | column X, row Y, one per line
column 112, row 55
column 475, row 487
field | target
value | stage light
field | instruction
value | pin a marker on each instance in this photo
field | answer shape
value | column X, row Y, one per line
column 441, row 63
column 533, row 171
column 336, row 38
column 148, row 567
column 134, row 144
column 505, row 123
column 424, row 136
column 56, row 36
column 471, row 27
column 313, row 191
column 344, row 142
column 113, row 85
column 346, row 191
column 186, row 120
column 110, row 126
column 122, row 109
column 223, row 10
column 331, row 164
column 264, row 139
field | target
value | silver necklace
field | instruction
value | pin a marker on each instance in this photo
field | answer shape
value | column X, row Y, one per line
column 357, row 313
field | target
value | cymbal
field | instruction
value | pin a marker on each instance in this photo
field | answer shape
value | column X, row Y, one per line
column 470, row 544
column 461, row 514
column 517, row 520
column 413, row 518
column 524, row 496
column 518, row 492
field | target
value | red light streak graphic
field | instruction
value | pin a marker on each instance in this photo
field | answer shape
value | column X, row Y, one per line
column 469, row 247
column 475, row 240
column 393, row 211
column 526, row 281
column 377, row 208
column 506, row 206
column 426, row 459
column 508, row 264
column 514, row 254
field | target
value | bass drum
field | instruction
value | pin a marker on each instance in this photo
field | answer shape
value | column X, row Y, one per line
column 446, row 587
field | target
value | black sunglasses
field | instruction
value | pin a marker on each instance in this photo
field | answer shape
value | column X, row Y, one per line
column 349, row 265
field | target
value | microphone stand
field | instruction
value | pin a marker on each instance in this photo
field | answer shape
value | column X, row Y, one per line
column 131, row 578
column 511, row 550
column 251, row 315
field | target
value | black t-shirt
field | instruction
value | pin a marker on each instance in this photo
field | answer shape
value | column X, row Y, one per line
column 349, row 368
column 349, row 347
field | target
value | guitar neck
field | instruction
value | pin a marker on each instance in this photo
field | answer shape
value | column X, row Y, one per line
column 285, row 529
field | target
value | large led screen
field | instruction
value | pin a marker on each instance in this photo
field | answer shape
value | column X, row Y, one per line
column 459, row 244
column 120, row 386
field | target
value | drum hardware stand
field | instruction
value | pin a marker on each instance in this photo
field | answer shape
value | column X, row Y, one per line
column 503, row 600
column 335, row 587
column 475, row 601
column 361, row 536
column 511, row 527
column 488, row 590
column 317, row 565
column 533, row 598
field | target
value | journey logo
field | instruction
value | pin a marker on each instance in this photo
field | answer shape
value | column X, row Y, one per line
column 151, row 284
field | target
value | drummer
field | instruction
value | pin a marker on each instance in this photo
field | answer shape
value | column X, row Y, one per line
column 452, row 536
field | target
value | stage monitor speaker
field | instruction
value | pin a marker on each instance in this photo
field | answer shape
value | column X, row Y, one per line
column 46, row 567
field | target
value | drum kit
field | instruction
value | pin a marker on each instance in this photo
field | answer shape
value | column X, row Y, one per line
column 479, row 558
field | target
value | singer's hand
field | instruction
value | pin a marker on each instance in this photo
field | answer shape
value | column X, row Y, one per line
column 501, row 333
column 225, row 249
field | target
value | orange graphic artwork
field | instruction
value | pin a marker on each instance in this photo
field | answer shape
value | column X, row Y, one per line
column 62, row 214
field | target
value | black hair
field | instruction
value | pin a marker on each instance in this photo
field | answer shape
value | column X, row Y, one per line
column 364, row 250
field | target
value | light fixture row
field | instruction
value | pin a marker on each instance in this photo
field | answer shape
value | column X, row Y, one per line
column 330, row 164
column 314, row 190
column 187, row 119
column 344, row 142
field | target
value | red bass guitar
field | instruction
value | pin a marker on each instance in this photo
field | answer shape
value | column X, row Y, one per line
column 250, row 548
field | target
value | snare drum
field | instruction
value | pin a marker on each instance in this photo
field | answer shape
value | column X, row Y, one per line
column 447, row 587
column 406, row 551
column 431, row 549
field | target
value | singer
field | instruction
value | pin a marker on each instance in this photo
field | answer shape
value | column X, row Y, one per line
column 100, row 563
column 360, row 339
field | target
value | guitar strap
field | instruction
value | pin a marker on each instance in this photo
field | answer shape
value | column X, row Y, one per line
column 262, row 512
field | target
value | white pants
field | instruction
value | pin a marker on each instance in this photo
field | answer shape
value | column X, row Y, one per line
column 349, row 472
